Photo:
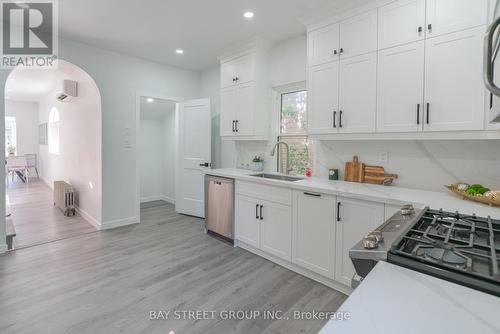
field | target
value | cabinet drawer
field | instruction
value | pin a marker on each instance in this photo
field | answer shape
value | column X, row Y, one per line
column 264, row 192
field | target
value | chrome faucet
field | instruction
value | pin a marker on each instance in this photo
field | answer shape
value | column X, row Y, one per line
column 273, row 151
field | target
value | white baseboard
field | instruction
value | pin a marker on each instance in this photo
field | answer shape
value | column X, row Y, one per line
column 89, row 218
column 3, row 248
column 118, row 223
column 157, row 198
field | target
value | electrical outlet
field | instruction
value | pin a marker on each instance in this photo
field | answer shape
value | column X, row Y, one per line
column 383, row 157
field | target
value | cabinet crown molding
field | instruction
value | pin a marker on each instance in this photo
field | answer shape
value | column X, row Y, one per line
column 242, row 48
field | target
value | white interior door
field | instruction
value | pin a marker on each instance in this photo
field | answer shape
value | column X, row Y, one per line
column 194, row 151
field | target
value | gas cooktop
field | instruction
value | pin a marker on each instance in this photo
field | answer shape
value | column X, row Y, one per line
column 464, row 249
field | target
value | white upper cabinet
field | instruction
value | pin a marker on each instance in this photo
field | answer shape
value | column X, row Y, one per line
column 245, row 96
column 358, row 35
column 323, row 45
column 314, row 232
column 446, row 16
column 400, row 88
column 358, row 94
column 355, row 219
column 454, row 91
column 228, row 117
column 323, row 98
column 237, row 71
column 401, row 22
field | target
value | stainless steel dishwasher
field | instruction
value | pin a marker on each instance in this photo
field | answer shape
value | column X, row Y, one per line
column 219, row 206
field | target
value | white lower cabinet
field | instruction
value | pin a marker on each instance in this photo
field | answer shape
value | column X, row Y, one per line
column 314, row 232
column 355, row 218
column 264, row 224
column 247, row 222
column 276, row 229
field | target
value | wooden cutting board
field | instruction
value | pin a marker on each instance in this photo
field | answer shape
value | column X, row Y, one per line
column 354, row 170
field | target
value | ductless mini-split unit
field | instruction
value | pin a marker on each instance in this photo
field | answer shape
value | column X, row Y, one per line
column 67, row 91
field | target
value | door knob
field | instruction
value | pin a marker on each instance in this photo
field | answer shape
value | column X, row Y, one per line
column 206, row 164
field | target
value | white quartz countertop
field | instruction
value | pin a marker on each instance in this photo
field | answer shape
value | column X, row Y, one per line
column 390, row 194
column 394, row 300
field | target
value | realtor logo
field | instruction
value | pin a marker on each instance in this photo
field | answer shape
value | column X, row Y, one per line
column 29, row 33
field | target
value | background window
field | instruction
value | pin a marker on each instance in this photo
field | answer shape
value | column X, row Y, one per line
column 54, row 131
column 293, row 131
column 10, row 134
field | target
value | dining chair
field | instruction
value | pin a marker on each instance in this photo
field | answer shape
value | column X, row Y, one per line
column 32, row 162
column 17, row 164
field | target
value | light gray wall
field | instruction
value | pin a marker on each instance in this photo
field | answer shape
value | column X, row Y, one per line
column 79, row 161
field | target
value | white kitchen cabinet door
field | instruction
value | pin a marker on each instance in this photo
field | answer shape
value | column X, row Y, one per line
column 400, row 88
column 358, row 94
column 246, row 220
column 323, row 98
column 276, row 229
column 357, row 219
column 323, row 45
column 228, row 111
column 228, row 74
column 454, row 90
column 358, row 34
column 446, row 16
column 313, row 244
column 245, row 109
column 245, row 69
column 401, row 22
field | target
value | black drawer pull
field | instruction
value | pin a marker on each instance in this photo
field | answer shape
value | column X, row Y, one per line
column 261, row 217
column 428, row 113
column 311, row 194
column 257, row 211
column 338, row 211
column 418, row 114
column 340, row 118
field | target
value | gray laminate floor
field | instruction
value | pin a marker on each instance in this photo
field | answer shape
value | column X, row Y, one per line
column 35, row 218
column 108, row 282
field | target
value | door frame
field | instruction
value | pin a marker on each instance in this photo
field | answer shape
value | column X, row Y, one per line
column 159, row 96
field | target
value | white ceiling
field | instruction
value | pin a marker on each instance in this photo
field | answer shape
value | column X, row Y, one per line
column 156, row 110
column 32, row 85
column 153, row 29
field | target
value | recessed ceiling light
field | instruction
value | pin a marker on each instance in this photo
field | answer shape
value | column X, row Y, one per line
column 150, row 100
column 179, row 51
column 248, row 15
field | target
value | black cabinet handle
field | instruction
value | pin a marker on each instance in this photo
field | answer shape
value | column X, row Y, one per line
column 236, row 128
column 261, row 217
column 335, row 119
column 335, row 52
column 418, row 113
column 420, row 30
column 206, row 164
column 311, row 194
column 491, row 101
column 237, row 79
column 340, row 118
column 341, row 50
column 428, row 113
column 257, row 211
column 234, row 122
column 338, row 211
column 429, row 27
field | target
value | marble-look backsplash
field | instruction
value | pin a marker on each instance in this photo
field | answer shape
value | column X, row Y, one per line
column 420, row 164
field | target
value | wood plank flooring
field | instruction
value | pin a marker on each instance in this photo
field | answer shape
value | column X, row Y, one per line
column 36, row 220
column 109, row 281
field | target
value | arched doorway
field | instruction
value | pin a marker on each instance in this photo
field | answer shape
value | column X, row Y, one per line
column 57, row 137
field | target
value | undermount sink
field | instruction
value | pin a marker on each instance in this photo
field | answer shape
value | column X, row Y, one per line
column 278, row 177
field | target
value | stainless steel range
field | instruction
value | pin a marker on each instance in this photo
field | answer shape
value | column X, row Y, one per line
column 464, row 249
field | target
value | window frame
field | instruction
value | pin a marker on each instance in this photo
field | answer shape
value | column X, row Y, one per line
column 279, row 92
